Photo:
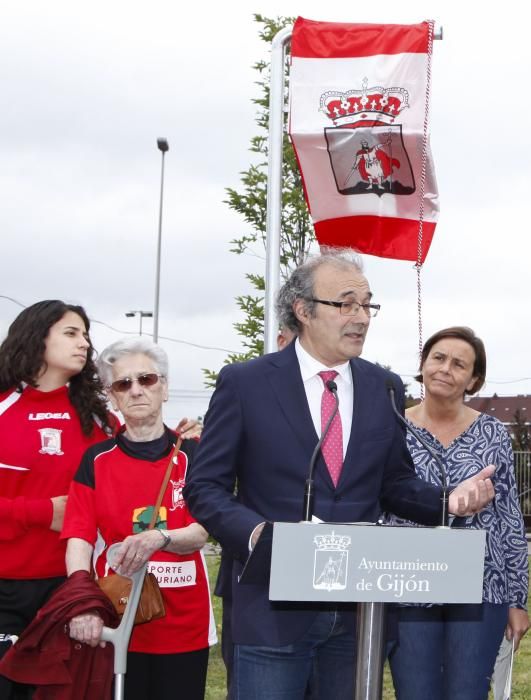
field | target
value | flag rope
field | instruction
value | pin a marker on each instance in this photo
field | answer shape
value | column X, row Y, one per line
column 418, row 264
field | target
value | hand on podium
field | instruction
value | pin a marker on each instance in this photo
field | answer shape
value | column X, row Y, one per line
column 473, row 494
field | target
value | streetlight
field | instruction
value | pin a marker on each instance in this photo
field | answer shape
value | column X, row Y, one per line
column 163, row 147
column 141, row 315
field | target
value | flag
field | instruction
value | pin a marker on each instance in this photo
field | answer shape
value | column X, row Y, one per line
column 358, row 106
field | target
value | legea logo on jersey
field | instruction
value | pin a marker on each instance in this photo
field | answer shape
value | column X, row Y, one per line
column 47, row 416
column 50, row 441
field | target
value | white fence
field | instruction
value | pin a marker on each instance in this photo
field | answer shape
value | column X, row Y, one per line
column 522, row 468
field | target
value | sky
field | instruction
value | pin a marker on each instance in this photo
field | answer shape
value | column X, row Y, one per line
column 87, row 88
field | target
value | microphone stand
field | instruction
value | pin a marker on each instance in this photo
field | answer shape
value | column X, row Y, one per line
column 309, row 495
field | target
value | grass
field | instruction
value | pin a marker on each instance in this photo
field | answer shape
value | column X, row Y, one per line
column 216, row 670
column 215, row 689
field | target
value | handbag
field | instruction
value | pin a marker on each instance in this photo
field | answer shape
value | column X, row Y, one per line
column 118, row 588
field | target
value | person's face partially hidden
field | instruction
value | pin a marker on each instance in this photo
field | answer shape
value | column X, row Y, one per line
column 284, row 337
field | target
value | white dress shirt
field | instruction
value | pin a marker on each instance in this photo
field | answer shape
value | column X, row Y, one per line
column 314, row 387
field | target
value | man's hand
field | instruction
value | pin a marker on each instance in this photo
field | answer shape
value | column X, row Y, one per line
column 189, row 429
column 59, row 505
column 472, row 495
column 517, row 625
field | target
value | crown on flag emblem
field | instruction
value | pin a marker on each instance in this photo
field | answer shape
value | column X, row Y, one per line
column 374, row 104
column 332, row 541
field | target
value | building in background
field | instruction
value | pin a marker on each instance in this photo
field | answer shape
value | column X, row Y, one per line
column 515, row 413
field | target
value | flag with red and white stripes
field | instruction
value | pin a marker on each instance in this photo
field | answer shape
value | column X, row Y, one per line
column 358, row 123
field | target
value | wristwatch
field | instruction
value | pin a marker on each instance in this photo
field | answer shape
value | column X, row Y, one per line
column 165, row 537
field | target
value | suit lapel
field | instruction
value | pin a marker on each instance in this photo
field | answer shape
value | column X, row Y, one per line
column 284, row 376
column 362, row 393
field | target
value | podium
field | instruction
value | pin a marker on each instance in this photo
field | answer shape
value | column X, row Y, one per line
column 373, row 565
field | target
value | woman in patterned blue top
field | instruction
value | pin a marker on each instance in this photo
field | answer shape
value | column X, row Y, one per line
column 447, row 652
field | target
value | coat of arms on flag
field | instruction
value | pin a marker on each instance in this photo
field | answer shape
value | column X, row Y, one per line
column 365, row 145
column 358, row 123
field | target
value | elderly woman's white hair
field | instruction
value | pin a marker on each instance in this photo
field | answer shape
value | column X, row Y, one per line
column 131, row 346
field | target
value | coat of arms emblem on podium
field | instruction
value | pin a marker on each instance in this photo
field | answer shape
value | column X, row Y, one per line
column 331, row 562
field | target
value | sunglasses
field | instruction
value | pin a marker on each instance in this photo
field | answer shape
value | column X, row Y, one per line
column 123, row 385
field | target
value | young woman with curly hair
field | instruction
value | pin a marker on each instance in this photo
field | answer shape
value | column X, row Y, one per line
column 52, row 408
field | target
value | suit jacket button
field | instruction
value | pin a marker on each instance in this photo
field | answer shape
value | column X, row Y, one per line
column 337, row 498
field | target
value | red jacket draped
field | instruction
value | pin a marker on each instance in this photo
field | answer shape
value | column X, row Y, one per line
column 46, row 656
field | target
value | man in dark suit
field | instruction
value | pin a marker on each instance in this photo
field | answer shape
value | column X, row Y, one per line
column 223, row 586
column 260, row 430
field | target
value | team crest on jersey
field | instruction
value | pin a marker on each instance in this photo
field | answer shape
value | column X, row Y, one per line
column 365, row 146
column 177, row 500
column 50, row 441
column 142, row 517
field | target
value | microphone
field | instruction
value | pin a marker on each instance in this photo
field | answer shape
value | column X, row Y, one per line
column 444, row 495
column 307, row 505
column 332, row 386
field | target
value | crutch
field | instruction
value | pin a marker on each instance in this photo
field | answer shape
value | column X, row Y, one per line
column 119, row 637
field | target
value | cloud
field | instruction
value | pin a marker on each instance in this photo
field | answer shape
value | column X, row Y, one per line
column 88, row 89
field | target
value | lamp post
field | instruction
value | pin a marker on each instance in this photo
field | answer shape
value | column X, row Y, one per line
column 141, row 315
column 163, row 147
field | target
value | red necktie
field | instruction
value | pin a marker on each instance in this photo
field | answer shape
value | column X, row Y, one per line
column 332, row 447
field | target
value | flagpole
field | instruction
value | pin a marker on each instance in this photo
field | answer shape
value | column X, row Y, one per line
column 274, row 186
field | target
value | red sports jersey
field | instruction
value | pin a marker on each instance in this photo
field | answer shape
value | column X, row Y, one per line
column 112, row 496
column 41, row 445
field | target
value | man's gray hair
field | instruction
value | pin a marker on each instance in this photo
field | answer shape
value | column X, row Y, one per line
column 131, row 346
column 300, row 283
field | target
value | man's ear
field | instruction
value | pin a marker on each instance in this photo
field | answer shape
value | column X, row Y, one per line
column 301, row 311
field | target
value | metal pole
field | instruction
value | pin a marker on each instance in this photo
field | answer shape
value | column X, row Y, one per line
column 370, row 654
column 141, row 314
column 163, row 147
column 274, row 186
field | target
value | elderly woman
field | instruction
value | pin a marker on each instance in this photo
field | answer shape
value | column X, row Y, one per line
column 447, row 652
column 111, row 500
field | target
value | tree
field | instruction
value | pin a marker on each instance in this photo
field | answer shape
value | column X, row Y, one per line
column 250, row 201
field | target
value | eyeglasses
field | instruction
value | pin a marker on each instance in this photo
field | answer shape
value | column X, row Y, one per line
column 351, row 308
column 123, row 385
